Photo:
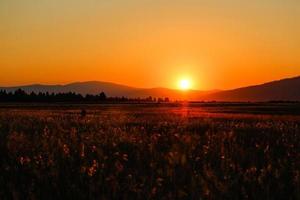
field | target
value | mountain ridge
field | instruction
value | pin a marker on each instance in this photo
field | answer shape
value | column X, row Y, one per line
column 287, row 89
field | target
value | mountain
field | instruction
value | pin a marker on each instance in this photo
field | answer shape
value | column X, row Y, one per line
column 110, row 89
column 90, row 87
column 281, row 90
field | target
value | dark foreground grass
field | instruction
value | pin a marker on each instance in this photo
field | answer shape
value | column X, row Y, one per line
column 136, row 152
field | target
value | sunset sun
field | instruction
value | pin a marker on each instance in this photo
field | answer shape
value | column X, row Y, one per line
column 184, row 84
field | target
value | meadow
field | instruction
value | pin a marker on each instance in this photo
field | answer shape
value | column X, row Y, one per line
column 150, row 151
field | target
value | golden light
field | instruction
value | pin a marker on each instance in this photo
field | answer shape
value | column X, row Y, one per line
column 184, row 84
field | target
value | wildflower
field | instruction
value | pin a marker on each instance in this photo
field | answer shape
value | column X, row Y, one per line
column 82, row 152
column 125, row 157
column 93, row 169
column 119, row 166
column 94, row 148
column 66, row 149
column 46, row 132
column 159, row 181
column 24, row 160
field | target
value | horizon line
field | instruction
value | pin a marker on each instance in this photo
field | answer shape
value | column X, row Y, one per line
column 134, row 87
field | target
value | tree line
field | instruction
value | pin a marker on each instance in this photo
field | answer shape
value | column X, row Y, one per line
column 22, row 96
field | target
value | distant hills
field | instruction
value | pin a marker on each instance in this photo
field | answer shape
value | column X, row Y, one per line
column 281, row 90
column 90, row 87
column 111, row 90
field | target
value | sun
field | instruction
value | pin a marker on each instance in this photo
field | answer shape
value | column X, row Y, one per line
column 185, row 84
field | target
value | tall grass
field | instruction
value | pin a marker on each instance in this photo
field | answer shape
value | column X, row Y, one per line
column 149, row 153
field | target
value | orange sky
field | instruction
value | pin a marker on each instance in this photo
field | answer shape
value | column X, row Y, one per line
column 149, row 43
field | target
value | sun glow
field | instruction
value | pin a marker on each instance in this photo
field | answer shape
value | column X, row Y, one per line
column 185, row 84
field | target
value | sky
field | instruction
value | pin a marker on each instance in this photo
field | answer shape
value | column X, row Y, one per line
column 215, row 44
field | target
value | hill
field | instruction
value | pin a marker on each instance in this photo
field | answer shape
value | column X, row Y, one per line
column 90, row 87
column 281, row 90
column 110, row 89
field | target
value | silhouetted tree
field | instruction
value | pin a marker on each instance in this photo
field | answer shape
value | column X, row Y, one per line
column 102, row 96
column 21, row 96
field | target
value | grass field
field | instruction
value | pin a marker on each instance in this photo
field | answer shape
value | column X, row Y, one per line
column 150, row 151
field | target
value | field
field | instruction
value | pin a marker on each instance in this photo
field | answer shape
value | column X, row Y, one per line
column 150, row 151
